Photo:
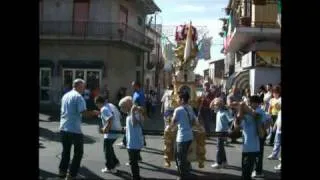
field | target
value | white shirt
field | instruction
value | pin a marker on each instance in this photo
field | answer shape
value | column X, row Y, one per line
column 278, row 122
column 110, row 111
column 167, row 100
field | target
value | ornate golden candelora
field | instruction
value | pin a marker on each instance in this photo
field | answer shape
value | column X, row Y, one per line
column 184, row 79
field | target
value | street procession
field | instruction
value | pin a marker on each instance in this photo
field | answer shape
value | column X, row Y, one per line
column 126, row 95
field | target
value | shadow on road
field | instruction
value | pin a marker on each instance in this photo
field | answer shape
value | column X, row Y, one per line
column 123, row 174
column 55, row 136
column 153, row 152
column 45, row 174
column 158, row 168
column 87, row 174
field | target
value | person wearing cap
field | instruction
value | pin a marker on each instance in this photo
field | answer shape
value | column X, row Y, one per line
column 183, row 118
column 223, row 119
column 205, row 113
column 73, row 107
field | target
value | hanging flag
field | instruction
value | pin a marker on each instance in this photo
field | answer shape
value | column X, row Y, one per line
column 279, row 12
column 188, row 47
column 204, row 46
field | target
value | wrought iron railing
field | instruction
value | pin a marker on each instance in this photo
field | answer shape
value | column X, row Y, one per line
column 93, row 29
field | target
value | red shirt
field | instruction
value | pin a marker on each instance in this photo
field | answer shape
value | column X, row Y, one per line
column 208, row 97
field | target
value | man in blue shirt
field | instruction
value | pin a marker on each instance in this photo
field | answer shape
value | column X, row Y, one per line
column 246, row 119
column 133, row 133
column 183, row 117
column 138, row 94
column 73, row 106
column 110, row 117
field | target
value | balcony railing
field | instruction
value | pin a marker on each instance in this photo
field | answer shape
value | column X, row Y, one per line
column 95, row 30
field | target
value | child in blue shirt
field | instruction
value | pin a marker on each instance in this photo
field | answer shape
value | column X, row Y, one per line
column 247, row 120
column 223, row 119
column 254, row 103
column 133, row 133
column 184, row 118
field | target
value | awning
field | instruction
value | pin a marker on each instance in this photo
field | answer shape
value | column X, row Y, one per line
column 230, row 80
column 82, row 64
column 239, row 79
column 46, row 63
column 242, row 80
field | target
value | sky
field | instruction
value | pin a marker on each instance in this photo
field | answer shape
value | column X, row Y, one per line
column 201, row 13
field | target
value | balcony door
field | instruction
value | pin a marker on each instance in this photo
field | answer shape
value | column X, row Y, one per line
column 80, row 17
column 93, row 77
column 123, row 18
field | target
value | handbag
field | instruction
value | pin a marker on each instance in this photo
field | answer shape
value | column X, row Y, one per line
column 234, row 133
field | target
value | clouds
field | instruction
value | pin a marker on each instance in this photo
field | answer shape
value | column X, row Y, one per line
column 191, row 8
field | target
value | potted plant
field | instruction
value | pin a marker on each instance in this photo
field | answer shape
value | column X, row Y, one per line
column 245, row 21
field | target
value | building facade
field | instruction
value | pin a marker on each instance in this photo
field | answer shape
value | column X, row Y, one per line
column 216, row 72
column 101, row 41
column 252, row 43
column 152, row 58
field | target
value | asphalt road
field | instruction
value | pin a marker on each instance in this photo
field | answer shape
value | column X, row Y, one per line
column 152, row 166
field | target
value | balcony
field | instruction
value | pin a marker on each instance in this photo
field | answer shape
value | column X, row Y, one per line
column 94, row 31
column 255, row 23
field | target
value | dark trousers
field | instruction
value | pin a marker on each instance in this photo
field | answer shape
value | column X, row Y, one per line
column 259, row 159
column 110, row 156
column 248, row 160
column 124, row 141
column 206, row 115
column 273, row 133
column 181, row 158
column 133, row 160
column 67, row 139
column 221, row 153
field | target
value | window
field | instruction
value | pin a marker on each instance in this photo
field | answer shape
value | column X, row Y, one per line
column 80, row 16
column 92, row 77
column 138, row 76
column 140, row 22
column 45, row 84
column 138, row 61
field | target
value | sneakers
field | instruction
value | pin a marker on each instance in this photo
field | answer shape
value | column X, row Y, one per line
column 278, row 168
column 216, row 166
column 106, row 170
column 271, row 157
column 256, row 175
column 121, row 145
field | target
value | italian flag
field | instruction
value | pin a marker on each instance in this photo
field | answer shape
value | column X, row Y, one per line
column 279, row 12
